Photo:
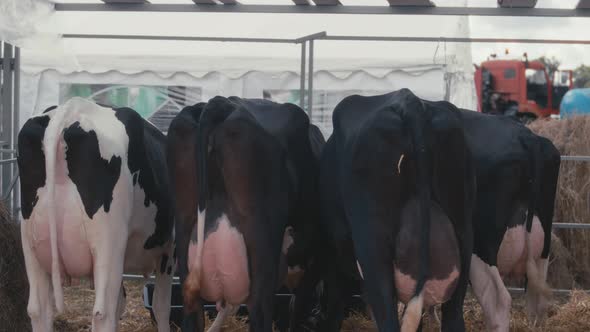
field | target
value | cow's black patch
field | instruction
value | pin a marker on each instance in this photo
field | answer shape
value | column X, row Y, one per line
column 49, row 109
column 163, row 263
column 31, row 161
column 94, row 177
column 147, row 161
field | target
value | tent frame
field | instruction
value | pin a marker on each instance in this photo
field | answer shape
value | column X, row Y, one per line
column 9, row 120
column 307, row 42
column 580, row 11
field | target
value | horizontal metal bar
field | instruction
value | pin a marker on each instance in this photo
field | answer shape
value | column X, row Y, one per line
column 556, row 291
column 569, row 225
column 125, row 1
column 140, row 277
column 426, row 3
column 7, row 161
column 517, row 3
column 317, row 35
column 294, row 9
column 7, row 151
column 183, row 38
column 327, row 2
column 457, row 40
column 576, row 158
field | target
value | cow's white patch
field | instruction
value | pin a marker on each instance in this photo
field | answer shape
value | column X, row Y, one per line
column 111, row 142
column 358, row 266
column 491, row 294
column 399, row 164
column 222, row 314
column 435, row 291
column 411, row 319
column 287, row 240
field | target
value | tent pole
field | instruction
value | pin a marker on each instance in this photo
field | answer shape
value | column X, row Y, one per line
column 302, row 76
column 16, row 128
column 6, row 114
column 310, row 83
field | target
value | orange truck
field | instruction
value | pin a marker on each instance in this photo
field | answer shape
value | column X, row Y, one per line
column 520, row 88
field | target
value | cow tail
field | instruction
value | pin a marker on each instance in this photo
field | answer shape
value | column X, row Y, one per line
column 413, row 311
column 50, row 143
column 535, row 278
column 192, row 284
column 214, row 113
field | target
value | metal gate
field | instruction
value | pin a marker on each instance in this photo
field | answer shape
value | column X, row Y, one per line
column 9, row 124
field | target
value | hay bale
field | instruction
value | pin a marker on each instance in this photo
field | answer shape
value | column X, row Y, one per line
column 571, row 137
column 14, row 287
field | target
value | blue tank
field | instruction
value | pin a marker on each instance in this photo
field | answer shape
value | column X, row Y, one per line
column 575, row 102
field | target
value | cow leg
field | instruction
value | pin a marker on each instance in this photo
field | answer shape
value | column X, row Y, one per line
column 260, row 304
column 263, row 272
column 121, row 302
column 222, row 314
column 108, row 276
column 379, row 282
column 452, row 310
column 491, row 294
column 537, row 290
column 163, row 290
column 193, row 320
column 303, row 300
column 536, row 299
column 40, row 305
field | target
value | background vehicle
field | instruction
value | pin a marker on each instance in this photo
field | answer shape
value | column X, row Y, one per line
column 520, row 88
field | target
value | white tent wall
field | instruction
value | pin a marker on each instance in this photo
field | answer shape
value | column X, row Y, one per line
column 432, row 70
column 42, row 90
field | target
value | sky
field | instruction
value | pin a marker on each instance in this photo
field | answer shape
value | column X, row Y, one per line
column 547, row 28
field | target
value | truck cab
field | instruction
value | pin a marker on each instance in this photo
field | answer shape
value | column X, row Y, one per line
column 520, row 88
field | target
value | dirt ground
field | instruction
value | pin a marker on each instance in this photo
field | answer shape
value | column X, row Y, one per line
column 571, row 314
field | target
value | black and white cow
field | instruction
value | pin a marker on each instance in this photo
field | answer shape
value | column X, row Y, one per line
column 397, row 186
column 95, row 203
column 517, row 175
column 251, row 168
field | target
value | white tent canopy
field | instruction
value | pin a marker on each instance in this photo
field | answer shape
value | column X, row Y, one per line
column 50, row 62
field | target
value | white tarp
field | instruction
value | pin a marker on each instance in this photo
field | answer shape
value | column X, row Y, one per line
column 49, row 63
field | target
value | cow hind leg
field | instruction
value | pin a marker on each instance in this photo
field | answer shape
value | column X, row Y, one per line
column 224, row 312
column 40, row 305
column 491, row 294
column 537, row 292
column 108, row 277
column 163, row 291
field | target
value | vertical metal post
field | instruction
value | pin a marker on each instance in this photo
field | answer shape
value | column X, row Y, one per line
column 15, row 130
column 302, row 76
column 310, row 82
column 2, row 63
column 6, row 137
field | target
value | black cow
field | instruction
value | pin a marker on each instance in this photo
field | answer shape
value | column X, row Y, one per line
column 251, row 166
column 95, row 203
column 517, row 175
column 397, row 186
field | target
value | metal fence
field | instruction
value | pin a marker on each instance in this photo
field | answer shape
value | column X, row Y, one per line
column 9, row 124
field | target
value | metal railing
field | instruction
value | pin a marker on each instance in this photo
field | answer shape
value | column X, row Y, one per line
column 9, row 123
column 556, row 225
